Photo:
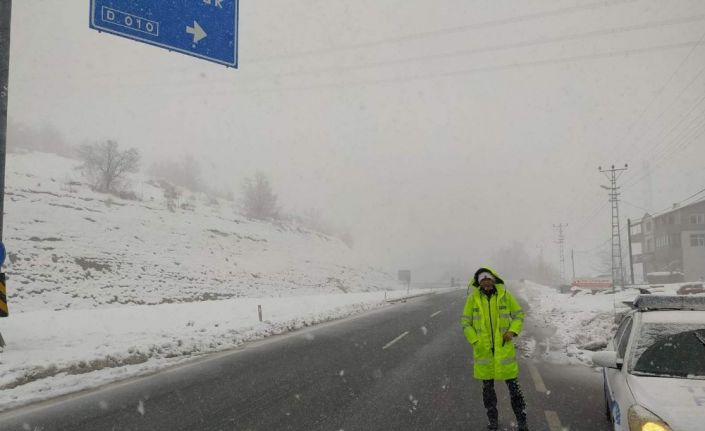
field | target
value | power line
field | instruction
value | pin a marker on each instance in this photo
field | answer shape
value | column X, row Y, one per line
column 504, row 46
column 599, row 246
column 658, row 94
column 591, row 217
column 680, row 203
column 659, row 143
column 678, row 144
column 636, row 206
column 692, row 196
column 422, row 35
column 668, row 109
column 663, row 145
column 450, row 30
column 496, row 68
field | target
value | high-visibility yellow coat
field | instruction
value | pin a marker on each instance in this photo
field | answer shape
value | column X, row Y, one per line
column 485, row 320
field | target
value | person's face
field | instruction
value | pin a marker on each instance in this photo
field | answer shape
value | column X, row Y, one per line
column 487, row 283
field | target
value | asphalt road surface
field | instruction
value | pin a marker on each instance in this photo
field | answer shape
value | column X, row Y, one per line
column 404, row 367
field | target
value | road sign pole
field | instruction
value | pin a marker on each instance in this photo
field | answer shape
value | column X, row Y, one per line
column 5, row 15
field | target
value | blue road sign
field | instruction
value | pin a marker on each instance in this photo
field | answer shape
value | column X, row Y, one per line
column 205, row 29
column 2, row 253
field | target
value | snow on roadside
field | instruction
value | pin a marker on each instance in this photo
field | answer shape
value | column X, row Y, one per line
column 578, row 320
column 51, row 353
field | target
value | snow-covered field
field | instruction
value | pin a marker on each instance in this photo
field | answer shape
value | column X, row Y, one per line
column 101, row 288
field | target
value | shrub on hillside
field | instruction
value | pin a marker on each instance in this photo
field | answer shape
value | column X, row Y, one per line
column 106, row 167
column 258, row 200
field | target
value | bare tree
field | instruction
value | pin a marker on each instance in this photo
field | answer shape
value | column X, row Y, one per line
column 258, row 200
column 106, row 166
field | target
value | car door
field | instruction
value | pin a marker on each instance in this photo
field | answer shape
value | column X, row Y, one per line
column 617, row 392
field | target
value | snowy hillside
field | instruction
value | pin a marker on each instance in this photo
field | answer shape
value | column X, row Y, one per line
column 69, row 247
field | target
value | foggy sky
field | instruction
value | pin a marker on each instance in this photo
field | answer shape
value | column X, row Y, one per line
column 431, row 162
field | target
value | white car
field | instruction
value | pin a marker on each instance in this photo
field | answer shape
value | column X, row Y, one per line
column 654, row 367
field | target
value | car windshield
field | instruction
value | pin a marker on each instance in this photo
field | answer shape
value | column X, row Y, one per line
column 670, row 349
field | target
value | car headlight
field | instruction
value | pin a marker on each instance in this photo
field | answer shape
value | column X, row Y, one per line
column 641, row 419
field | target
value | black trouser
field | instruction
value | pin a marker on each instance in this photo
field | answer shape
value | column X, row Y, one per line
column 489, row 397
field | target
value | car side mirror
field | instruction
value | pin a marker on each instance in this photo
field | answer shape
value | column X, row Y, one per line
column 607, row 359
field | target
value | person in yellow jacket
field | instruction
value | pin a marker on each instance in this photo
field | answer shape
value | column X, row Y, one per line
column 492, row 318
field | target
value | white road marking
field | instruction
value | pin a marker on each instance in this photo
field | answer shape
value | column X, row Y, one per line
column 554, row 422
column 538, row 381
column 395, row 340
column 436, row 313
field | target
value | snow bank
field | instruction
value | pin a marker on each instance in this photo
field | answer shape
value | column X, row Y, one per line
column 578, row 320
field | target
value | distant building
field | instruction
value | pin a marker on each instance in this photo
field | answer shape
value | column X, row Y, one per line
column 672, row 242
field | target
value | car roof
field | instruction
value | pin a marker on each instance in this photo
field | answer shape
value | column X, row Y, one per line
column 672, row 316
column 669, row 302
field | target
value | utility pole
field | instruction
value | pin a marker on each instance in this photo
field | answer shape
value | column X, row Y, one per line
column 572, row 259
column 561, row 243
column 629, row 239
column 613, row 175
column 5, row 15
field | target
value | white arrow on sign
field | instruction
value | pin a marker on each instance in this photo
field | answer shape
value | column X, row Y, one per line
column 197, row 32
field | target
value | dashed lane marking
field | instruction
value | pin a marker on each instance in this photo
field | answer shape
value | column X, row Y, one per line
column 554, row 422
column 386, row 346
column 436, row 313
column 538, row 381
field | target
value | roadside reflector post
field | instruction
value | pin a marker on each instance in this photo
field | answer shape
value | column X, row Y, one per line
column 259, row 312
column 4, row 311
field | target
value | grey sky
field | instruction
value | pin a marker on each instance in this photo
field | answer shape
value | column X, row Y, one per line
column 439, row 160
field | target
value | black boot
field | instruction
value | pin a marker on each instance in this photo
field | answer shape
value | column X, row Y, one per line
column 518, row 404
column 492, row 423
column 489, row 397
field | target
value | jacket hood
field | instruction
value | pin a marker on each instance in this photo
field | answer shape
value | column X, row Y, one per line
column 497, row 278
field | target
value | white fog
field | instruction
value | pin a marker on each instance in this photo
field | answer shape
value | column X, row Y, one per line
column 269, row 212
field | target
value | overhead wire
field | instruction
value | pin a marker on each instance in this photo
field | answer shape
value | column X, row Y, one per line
column 483, row 69
column 417, row 36
column 671, row 148
column 658, row 93
column 661, row 145
column 449, row 30
column 505, row 46
column 658, row 141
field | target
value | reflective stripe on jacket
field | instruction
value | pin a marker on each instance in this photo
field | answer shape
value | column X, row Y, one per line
column 484, row 321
